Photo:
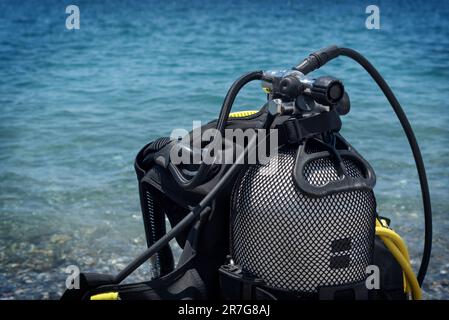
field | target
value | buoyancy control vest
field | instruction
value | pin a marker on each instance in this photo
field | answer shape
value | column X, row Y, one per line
column 301, row 223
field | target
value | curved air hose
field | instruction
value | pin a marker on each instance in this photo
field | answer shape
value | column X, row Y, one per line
column 321, row 57
column 232, row 94
column 203, row 170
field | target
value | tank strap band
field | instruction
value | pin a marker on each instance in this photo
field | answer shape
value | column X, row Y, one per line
column 236, row 284
column 295, row 130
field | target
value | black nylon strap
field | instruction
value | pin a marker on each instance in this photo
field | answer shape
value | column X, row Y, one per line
column 295, row 130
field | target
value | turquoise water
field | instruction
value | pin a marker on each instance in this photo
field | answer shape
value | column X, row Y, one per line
column 76, row 106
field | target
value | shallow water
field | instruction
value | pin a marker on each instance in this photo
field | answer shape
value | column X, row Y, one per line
column 76, row 106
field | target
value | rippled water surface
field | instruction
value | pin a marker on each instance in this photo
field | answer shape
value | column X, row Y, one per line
column 76, row 106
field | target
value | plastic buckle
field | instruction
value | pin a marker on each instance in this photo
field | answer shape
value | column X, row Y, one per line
column 236, row 284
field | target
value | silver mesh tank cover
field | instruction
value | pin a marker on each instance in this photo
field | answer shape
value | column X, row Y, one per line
column 294, row 241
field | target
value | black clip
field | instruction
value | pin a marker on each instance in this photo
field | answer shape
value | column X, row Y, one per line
column 299, row 129
column 236, row 284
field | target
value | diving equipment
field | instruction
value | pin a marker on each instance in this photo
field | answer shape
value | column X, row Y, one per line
column 303, row 225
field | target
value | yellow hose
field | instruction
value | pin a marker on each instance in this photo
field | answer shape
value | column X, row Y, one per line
column 411, row 278
column 398, row 249
column 383, row 230
column 393, row 236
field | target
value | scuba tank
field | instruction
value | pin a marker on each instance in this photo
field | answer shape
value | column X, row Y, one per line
column 301, row 223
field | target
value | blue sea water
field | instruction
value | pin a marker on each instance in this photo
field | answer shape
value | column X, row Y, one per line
column 76, row 106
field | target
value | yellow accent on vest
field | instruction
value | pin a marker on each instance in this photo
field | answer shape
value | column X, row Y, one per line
column 241, row 114
column 106, row 296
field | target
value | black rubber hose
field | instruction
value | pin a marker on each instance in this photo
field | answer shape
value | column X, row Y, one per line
column 232, row 94
column 415, row 150
column 203, row 169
